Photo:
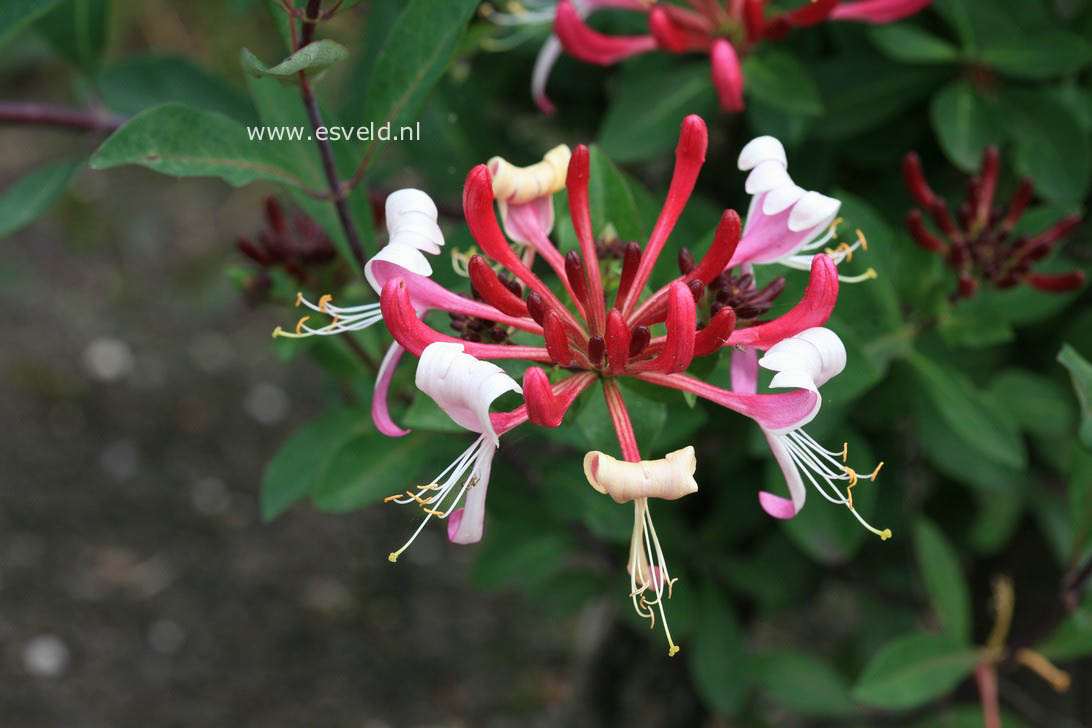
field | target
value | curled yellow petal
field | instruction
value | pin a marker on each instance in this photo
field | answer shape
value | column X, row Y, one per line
column 669, row 478
column 517, row 185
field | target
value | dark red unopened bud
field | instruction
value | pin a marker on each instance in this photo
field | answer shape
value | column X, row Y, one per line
column 943, row 219
column 597, row 349
column 275, row 215
column 967, row 285
column 638, row 340
column 1018, row 204
column 578, row 278
column 685, row 260
column 991, row 166
column 536, row 308
column 1057, row 231
column 914, row 178
column 1057, row 283
column 252, row 251
column 697, row 288
column 915, row 223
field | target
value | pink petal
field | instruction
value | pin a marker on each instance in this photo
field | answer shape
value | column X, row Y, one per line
column 813, row 309
column 744, row 371
column 544, row 63
column 727, row 75
column 591, row 46
column 767, row 238
column 878, row 11
column 528, row 222
column 777, row 506
column 381, row 415
column 776, row 412
column 467, row 527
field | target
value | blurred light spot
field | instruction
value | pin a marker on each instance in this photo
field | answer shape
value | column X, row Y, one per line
column 166, row 636
column 45, row 656
column 266, row 403
column 120, row 459
column 212, row 352
column 108, row 359
column 210, row 496
column 328, row 596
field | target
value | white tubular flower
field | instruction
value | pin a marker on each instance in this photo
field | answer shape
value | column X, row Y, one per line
column 411, row 223
column 464, row 388
column 808, row 360
column 785, row 222
column 670, row 477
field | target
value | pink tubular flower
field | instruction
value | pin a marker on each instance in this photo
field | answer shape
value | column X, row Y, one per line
column 979, row 244
column 724, row 29
column 597, row 337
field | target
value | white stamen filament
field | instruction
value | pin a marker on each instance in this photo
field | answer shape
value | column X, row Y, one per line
column 438, row 491
column 348, row 318
column 813, row 459
column 657, row 576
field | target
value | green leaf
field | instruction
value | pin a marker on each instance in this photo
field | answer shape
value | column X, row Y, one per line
column 911, row 44
column 177, row 140
column 717, row 661
column 1073, row 637
column 1037, row 404
column 804, row 683
column 778, row 79
column 965, row 124
column 313, row 58
column 29, row 197
column 914, row 669
column 1080, row 371
column 372, row 466
column 518, row 552
column 1037, row 56
column 77, row 29
column 943, row 579
column 17, row 14
column 647, row 108
column 974, row 418
column 967, row 716
column 1051, row 147
column 612, row 200
column 413, row 59
column 1080, row 501
column 138, row 82
column 298, row 466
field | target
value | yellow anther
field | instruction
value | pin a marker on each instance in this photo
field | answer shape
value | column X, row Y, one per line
column 392, row 556
column 875, row 472
column 325, row 299
column 278, row 332
column 299, row 325
column 1041, row 666
column 334, row 322
column 849, row 488
column 834, row 225
column 862, row 239
column 671, row 651
column 299, row 297
column 843, row 248
column 845, row 451
column 885, row 534
column 390, row 498
column 434, row 486
column 432, row 512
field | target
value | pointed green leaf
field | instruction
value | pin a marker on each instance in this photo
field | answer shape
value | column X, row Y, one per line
column 17, row 14
column 298, row 466
column 913, row 670
column 313, row 58
column 177, row 140
column 806, row 684
column 1080, row 371
column 29, row 197
column 413, row 58
column 77, row 29
column 964, row 123
column 911, row 44
column 779, row 80
column 943, row 579
column 717, row 661
column 1039, row 55
column 138, row 82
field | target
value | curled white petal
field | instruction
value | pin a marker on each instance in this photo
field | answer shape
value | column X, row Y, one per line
column 463, row 386
column 405, row 256
column 768, row 175
column 762, row 149
column 782, row 198
column 814, row 210
column 408, row 200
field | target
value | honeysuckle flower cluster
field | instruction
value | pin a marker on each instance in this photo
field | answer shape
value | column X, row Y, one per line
column 724, row 29
column 979, row 244
column 595, row 339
